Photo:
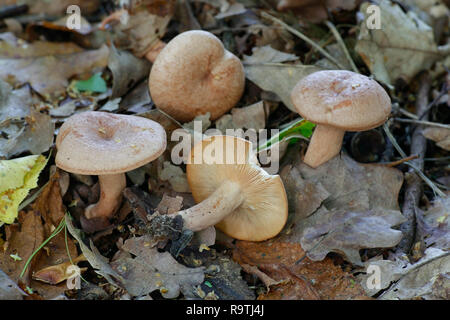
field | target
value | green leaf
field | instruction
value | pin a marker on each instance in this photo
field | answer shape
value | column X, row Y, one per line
column 93, row 84
column 299, row 129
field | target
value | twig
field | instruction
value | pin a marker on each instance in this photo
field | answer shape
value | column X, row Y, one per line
column 424, row 122
column 396, row 163
column 338, row 37
column 303, row 37
column 414, row 189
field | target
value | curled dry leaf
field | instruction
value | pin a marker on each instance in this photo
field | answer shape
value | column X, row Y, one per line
column 127, row 71
column 435, row 226
column 142, row 29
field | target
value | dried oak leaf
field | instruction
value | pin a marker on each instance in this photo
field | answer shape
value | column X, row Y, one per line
column 354, row 207
column 152, row 270
column 307, row 280
column 401, row 48
column 313, row 10
column 22, row 127
column 47, row 66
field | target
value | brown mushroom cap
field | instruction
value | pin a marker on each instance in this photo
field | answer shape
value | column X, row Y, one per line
column 194, row 74
column 263, row 212
column 100, row 143
column 342, row 99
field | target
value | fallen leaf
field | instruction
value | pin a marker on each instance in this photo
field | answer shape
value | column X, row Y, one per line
column 33, row 62
column 9, row 290
column 93, row 256
column 251, row 117
column 56, row 8
column 127, row 71
column 266, row 54
column 18, row 177
column 417, row 280
column 354, row 206
column 176, row 177
column 435, row 224
column 169, row 204
column 142, row 29
column 401, row 48
column 232, row 10
column 439, row 135
column 293, row 281
column 278, row 78
column 93, row 84
column 152, row 270
column 312, row 11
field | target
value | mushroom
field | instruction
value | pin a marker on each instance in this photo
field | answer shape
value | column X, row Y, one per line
column 107, row 145
column 193, row 75
column 237, row 196
column 338, row 101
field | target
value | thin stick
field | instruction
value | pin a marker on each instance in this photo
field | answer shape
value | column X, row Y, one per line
column 396, row 163
column 338, row 37
column 304, row 38
column 424, row 122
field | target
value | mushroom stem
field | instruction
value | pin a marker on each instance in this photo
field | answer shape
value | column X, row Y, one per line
column 213, row 209
column 154, row 51
column 325, row 143
column 111, row 187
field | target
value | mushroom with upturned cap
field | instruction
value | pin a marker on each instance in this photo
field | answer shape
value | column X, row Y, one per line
column 107, row 145
column 236, row 194
column 338, row 101
column 193, row 75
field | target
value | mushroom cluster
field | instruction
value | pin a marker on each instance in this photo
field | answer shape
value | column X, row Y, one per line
column 193, row 75
column 107, row 145
column 338, row 101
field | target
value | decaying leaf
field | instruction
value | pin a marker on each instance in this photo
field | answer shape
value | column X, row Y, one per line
column 251, row 117
column 142, row 29
column 307, row 280
column 47, row 66
column 354, row 206
column 435, row 225
column 9, row 290
column 127, row 71
column 176, row 177
column 266, row 54
column 417, row 280
column 152, row 270
column 402, row 47
column 439, row 135
column 313, row 11
column 18, row 177
column 278, row 78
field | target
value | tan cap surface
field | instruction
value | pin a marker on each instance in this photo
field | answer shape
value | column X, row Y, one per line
column 98, row 143
column 264, row 211
column 342, row 99
column 194, row 74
